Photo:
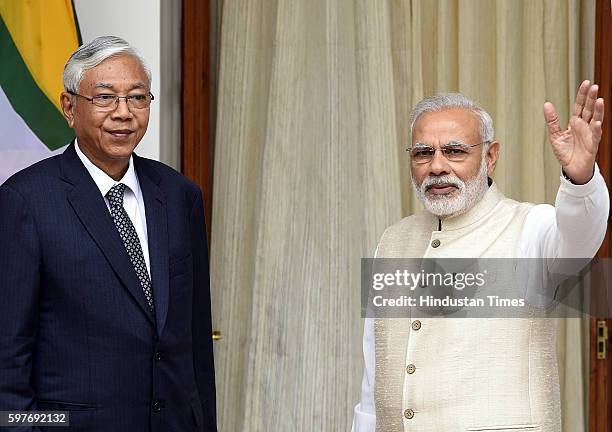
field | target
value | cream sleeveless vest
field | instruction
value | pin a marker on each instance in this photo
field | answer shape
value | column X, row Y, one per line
column 465, row 374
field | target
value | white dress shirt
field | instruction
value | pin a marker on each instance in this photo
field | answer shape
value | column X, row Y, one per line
column 571, row 229
column 133, row 201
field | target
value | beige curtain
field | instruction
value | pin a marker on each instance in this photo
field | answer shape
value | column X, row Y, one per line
column 310, row 167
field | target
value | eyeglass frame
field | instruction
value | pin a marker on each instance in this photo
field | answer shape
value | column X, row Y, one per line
column 435, row 149
column 117, row 98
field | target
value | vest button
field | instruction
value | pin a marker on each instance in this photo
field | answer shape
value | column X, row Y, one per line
column 416, row 325
column 408, row 413
column 410, row 369
column 435, row 243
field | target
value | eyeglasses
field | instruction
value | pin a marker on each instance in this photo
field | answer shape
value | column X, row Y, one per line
column 111, row 101
column 454, row 151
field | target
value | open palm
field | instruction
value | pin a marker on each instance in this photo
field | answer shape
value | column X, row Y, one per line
column 576, row 147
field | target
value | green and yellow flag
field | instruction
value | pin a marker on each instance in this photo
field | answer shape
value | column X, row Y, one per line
column 36, row 39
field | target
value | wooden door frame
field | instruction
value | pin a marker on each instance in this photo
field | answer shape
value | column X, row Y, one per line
column 600, row 371
column 198, row 91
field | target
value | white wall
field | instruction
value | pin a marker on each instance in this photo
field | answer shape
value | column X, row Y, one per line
column 138, row 22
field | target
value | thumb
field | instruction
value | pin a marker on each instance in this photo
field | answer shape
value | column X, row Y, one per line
column 552, row 119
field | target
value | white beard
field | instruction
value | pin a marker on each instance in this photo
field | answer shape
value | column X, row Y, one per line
column 468, row 193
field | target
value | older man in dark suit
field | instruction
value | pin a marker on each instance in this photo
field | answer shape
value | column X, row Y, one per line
column 104, row 285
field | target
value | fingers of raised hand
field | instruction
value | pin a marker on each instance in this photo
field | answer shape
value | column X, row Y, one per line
column 585, row 134
column 598, row 114
column 596, row 131
column 597, row 120
column 589, row 106
column 581, row 97
column 552, row 120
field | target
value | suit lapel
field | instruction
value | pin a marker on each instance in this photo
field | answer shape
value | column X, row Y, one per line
column 157, row 229
column 90, row 207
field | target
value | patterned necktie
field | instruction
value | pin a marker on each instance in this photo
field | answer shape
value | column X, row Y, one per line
column 130, row 240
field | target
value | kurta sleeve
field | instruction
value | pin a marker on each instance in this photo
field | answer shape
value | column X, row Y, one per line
column 574, row 228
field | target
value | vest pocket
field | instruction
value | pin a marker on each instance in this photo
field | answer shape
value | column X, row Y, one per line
column 507, row 428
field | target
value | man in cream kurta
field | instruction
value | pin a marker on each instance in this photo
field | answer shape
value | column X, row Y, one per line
column 457, row 374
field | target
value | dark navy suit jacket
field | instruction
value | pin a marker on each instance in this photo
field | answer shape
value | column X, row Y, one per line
column 75, row 330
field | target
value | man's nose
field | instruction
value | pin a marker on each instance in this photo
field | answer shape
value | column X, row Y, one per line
column 121, row 111
column 439, row 164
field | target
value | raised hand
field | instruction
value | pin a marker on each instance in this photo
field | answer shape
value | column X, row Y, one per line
column 576, row 147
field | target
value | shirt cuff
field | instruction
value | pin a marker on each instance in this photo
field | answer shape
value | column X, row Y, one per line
column 586, row 189
column 363, row 421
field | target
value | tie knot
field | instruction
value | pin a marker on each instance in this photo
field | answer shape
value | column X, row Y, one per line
column 115, row 195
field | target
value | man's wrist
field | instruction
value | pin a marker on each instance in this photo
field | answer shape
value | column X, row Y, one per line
column 577, row 182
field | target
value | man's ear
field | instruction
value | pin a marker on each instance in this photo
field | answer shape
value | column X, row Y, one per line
column 67, row 101
column 492, row 155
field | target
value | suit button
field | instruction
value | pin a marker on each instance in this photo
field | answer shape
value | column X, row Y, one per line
column 410, row 369
column 435, row 243
column 416, row 325
column 158, row 356
column 158, row 406
column 408, row 413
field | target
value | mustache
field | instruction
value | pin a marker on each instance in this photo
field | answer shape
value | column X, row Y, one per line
column 447, row 180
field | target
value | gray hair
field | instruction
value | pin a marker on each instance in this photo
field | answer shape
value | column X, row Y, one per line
column 444, row 101
column 93, row 53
